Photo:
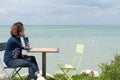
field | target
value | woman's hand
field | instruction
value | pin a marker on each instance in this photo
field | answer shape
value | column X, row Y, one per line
column 22, row 34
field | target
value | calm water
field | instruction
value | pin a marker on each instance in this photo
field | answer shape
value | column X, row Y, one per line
column 101, row 43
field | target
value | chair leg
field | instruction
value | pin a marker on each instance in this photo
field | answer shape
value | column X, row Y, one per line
column 9, row 78
column 8, row 75
column 69, row 77
column 13, row 73
column 16, row 72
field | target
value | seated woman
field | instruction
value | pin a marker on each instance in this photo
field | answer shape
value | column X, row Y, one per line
column 13, row 56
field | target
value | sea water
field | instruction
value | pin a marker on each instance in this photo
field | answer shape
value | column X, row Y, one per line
column 102, row 43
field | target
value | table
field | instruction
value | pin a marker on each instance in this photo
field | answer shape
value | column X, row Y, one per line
column 44, row 51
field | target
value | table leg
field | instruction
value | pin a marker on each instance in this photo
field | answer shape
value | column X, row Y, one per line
column 44, row 64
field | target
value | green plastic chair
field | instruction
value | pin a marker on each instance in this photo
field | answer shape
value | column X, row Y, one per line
column 70, row 69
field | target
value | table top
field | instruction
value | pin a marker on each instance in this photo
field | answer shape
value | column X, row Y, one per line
column 47, row 50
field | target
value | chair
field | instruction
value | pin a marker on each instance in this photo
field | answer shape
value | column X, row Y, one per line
column 67, row 68
column 15, row 70
column 2, row 46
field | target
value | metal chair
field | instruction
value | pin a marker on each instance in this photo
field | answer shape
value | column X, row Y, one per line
column 15, row 70
column 66, row 68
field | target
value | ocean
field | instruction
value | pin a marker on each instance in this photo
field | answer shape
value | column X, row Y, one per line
column 102, row 43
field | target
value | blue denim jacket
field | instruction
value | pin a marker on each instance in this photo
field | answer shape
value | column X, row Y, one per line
column 11, row 45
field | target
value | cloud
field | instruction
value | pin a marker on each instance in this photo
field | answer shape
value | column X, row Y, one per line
column 58, row 11
column 96, row 3
column 2, row 10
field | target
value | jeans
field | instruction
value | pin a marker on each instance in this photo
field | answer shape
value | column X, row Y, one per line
column 28, row 61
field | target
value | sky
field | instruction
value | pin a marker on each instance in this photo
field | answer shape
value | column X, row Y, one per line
column 60, row 12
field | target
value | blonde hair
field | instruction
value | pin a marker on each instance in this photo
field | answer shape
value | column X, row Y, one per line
column 16, row 29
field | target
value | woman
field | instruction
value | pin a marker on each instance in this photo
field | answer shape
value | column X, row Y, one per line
column 13, row 56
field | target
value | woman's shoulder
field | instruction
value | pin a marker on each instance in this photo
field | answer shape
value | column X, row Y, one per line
column 12, row 39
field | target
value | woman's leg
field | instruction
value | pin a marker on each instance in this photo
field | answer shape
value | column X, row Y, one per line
column 23, row 63
column 33, row 60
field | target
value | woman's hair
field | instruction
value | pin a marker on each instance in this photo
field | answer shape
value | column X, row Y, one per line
column 16, row 29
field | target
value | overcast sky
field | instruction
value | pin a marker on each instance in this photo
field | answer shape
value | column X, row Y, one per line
column 60, row 12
